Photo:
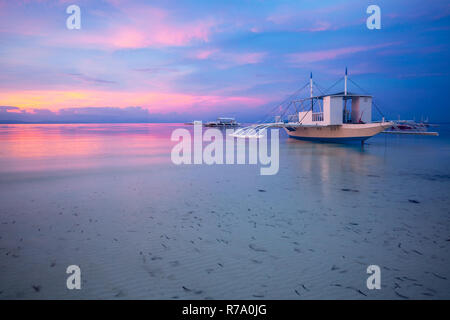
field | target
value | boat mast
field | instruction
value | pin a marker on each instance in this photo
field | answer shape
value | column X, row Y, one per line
column 345, row 93
column 345, row 87
column 311, row 90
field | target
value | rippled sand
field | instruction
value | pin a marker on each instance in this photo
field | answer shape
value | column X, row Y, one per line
column 107, row 198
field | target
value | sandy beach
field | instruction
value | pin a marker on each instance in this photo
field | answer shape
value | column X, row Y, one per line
column 140, row 227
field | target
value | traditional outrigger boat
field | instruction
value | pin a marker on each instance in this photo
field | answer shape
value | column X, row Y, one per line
column 339, row 117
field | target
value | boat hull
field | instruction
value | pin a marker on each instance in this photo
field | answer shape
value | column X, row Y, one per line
column 344, row 133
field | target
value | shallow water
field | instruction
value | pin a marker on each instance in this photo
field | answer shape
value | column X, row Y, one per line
column 108, row 198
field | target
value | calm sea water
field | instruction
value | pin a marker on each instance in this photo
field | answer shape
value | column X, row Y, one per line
column 107, row 197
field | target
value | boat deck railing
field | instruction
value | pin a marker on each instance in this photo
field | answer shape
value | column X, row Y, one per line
column 317, row 116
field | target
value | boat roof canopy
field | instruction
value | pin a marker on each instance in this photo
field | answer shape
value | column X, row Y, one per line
column 349, row 95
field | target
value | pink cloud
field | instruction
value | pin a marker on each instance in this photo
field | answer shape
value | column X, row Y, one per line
column 128, row 27
column 301, row 19
column 319, row 26
column 249, row 58
column 148, row 26
column 204, row 54
column 422, row 75
column 230, row 59
column 149, row 33
column 320, row 55
column 403, row 51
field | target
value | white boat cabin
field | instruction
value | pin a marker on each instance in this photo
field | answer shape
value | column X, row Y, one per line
column 337, row 109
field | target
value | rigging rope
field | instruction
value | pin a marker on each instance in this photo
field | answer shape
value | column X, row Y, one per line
column 284, row 109
column 288, row 99
column 327, row 90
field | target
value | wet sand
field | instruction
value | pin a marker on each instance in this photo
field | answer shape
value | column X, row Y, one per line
column 140, row 227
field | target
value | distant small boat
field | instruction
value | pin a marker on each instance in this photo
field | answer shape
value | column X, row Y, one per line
column 198, row 122
column 222, row 122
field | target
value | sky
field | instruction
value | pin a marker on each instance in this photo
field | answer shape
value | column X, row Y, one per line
column 176, row 61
